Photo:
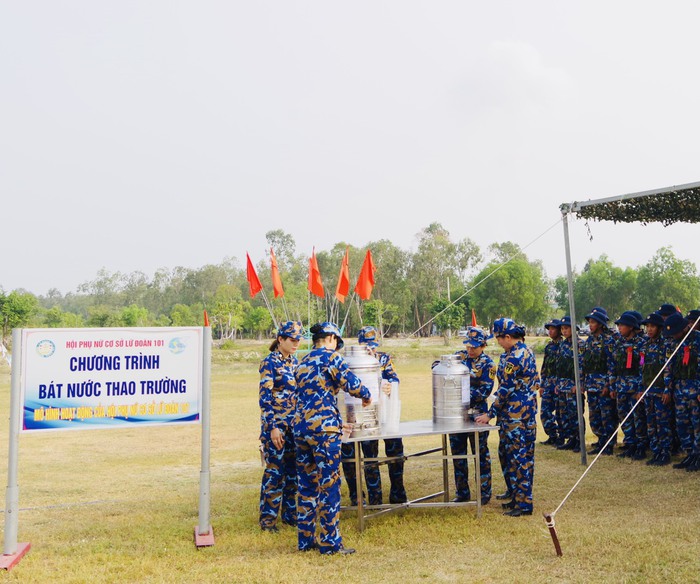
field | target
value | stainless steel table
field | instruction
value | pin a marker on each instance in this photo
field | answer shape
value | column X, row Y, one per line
column 410, row 430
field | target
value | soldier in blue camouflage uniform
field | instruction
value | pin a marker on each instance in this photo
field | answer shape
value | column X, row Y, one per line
column 277, row 404
column 597, row 368
column 566, row 389
column 627, row 386
column 548, row 405
column 658, row 399
column 482, row 373
column 666, row 310
column 317, row 432
column 515, row 405
column 682, row 375
column 393, row 447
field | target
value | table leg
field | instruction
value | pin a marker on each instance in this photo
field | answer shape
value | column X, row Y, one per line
column 445, row 470
column 358, row 484
column 477, row 473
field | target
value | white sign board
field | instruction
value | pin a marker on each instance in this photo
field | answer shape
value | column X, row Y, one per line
column 110, row 377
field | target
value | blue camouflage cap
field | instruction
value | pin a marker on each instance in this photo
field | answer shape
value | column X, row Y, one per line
column 290, row 329
column 330, row 328
column 629, row 319
column 666, row 310
column 692, row 315
column 507, row 326
column 599, row 314
column 554, row 323
column 368, row 336
column 638, row 315
column 566, row 321
column 654, row 318
column 674, row 324
column 476, row 337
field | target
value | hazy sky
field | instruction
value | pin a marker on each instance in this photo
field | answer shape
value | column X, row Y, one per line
column 138, row 135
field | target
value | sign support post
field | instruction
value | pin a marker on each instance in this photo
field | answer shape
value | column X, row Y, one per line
column 203, row 532
column 12, row 552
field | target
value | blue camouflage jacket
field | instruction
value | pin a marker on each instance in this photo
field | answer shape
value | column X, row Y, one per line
column 277, row 396
column 549, row 363
column 597, row 361
column 683, row 366
column 652, row 362
column 321, row 374
column 388, row 371
column 627, row 356
column 517, row 377
column 481, row 379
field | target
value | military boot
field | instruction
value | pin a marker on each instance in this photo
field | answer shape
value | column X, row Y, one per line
column 568, row 445
column 683, row 463
column 626, row 451
column 640, row 453
column 653, row 461
column 694, row 465
column 663, row 459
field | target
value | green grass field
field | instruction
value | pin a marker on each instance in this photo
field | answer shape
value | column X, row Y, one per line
column 121, row 505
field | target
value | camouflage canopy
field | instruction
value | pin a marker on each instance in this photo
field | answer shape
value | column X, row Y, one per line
column 667, row 206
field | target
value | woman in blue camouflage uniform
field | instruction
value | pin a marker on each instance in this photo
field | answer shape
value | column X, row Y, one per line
column 627, row 387
column 515, row 405
column 548, row 406
column 317, row 432
column 277, row 403
column 482, row 373
column 566, row 390
column 658, row 399
column 597, row 369
column 393, row 447
column 682, row 375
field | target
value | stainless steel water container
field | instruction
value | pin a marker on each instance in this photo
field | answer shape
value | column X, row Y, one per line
column 365, row 420
column 450, row 391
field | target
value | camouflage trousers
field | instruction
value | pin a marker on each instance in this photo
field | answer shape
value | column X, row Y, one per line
column 688, row 415
column 502, row 455
column 634, row 429
column 602, row 409
column 548, row 410
column 658, row 423
column 520, row 462
column 606, row 407
column 458, row 446
column 279, row 482
column 373, row 479
column 393, row 447
column 569, row 429
column 318, row 474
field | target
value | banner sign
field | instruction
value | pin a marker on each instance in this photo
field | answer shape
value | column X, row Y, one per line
column 110, row 377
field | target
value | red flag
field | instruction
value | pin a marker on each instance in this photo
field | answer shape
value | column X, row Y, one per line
column 365, row 282
column 276, row 280
column 473, row 318
column 343, row 287
column 315, row 283
column 253, row 280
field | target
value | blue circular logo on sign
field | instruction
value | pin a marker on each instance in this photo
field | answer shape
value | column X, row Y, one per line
column 45, row 348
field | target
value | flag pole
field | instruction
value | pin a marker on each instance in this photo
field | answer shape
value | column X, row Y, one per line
column 347, row 312
column 269, row 308
column 286, row 310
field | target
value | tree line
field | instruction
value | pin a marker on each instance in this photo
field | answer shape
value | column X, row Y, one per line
column 431, row 290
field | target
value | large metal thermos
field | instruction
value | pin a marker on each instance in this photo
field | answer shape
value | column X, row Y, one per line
column 365, row 420
column 450, row 391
